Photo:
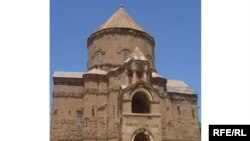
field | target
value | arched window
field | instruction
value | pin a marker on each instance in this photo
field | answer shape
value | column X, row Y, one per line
column 125, row 55
column 98, row 58
column 140, row 103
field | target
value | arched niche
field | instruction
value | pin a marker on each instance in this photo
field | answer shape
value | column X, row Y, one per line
column 140, row 101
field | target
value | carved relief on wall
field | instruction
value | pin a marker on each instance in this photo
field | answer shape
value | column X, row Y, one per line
column 114, row 129
column 68, row 94
column 115, row 82
column 66, row 128
column 163, row 123
column 181, row 98
column 86, row 126
column 166, row 126
column 70, row 129
column 92, row 129
column 67, row 121
column 66, row 131
column 102, row 125
column 102, row 107
column 115, row 126
column 94, row 91
column 56, row 128
column 90, row 126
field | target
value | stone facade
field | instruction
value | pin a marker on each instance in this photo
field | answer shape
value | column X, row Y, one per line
column 122, row 97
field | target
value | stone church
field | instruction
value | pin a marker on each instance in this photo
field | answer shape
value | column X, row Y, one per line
column 122, row 97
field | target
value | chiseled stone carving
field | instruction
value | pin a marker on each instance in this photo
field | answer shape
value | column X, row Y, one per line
column 68, row 94
column 102, row 107
column 94, row 91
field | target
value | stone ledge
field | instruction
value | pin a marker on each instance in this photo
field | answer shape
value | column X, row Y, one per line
column 141, row 115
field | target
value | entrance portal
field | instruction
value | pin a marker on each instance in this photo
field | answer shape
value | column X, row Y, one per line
column 141, row 137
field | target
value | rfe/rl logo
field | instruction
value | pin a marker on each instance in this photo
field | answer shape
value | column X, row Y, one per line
column 228, row 132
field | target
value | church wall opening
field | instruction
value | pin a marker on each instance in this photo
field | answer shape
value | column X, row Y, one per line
column 140, row 103
column 141, row 137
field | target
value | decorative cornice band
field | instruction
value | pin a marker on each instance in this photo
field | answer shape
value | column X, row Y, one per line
column 104, row 65
column 183, row 97
column 68, row 94
column 120, row 30
column 86, row 91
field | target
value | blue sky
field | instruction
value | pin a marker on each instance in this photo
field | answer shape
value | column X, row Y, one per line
column 174, row 24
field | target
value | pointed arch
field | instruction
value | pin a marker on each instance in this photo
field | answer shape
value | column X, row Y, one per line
column 143, row 91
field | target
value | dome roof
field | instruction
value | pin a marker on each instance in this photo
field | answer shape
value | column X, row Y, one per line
column 121, row 19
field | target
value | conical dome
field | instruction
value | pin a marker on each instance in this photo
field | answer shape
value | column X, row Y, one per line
column 115, row 39
column 121, row 19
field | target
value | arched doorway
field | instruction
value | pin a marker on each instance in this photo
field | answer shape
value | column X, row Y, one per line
column 140, row 103
column 142, row 134
column 141, row 137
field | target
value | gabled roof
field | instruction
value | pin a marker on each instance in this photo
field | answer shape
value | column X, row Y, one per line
column 138, row 84
column 136, row 55
column 178, row 86
column 96, row 71
column 61, row 74
column 155, row 75
column 121, row 19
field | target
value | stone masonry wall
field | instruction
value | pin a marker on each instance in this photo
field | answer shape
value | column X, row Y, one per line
column 111, row 46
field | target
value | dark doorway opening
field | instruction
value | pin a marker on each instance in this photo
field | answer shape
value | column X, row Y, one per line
column 140, row 103
column 141, row 137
